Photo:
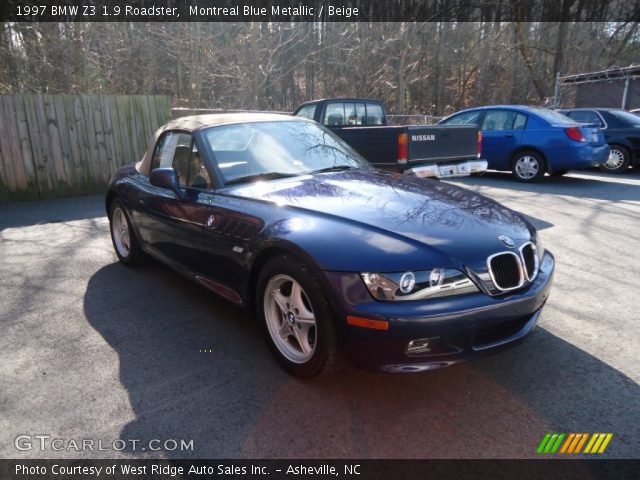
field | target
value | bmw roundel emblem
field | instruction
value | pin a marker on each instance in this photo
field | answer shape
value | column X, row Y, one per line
column 508, row 241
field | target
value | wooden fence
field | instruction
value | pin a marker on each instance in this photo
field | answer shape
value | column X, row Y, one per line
column 62, row 145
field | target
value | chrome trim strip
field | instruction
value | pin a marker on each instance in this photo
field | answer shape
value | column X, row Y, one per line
column 536, row 261
column 520, row 271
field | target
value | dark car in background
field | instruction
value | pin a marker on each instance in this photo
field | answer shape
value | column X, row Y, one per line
column 621, row 131
column 278, row 214
column 529, row 141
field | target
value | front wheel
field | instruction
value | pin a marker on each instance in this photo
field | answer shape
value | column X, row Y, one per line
column 528, row 167
column 618, row 161
column 297, row 318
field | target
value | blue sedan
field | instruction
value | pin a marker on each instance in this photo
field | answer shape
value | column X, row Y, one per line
column 530, row 141
column 279, row 215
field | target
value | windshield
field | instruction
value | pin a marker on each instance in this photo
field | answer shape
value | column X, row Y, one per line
column 267, row 150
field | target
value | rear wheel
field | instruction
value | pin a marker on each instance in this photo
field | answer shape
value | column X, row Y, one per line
column 124, row 239
column 528, row 166
column 618, row 161
column 296, row 317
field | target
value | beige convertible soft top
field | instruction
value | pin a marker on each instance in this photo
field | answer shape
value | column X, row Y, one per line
column 189, row 124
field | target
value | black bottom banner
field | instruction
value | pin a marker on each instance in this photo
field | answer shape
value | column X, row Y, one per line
column 150, row 469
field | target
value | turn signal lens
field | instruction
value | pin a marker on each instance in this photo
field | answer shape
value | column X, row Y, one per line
column 368, row 323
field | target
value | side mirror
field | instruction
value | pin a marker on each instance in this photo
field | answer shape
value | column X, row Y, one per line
column 166, row 178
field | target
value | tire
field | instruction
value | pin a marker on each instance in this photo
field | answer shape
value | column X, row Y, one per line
column 558, row 173
column 618, row 161
column 299, row 326
column 528, row 166
column 123, row 237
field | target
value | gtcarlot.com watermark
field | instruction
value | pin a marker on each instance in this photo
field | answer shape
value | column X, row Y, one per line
column 45, row 442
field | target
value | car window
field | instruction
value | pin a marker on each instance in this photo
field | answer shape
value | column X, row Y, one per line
column 334, row 115
column 283, row 147
column 354, row 113
column 361, row 114
column 585, row 116
column 625, row 118
column 198, row 174
column 308, row 111
column 169, row 151
column 499, row 120
column 350, row 114
column 163, row 153
column 551, row 116
column 520, row 121
column 465, row 118
column 375, row 114
column 177, row 150
column 181, row 157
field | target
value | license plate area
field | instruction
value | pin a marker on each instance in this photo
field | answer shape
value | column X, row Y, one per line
column 447, row 171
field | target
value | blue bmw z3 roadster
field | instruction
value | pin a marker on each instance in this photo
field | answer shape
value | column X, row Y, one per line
column 339, row 260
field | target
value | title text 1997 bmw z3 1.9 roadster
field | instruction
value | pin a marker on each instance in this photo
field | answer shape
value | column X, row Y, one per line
column 278, row 214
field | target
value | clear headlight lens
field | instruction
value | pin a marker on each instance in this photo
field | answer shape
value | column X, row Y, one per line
column 422, row 285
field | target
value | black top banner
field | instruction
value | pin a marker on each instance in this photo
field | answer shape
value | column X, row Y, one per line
column 320, row 10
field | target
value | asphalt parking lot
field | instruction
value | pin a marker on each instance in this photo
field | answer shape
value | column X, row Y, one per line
column 93, row 350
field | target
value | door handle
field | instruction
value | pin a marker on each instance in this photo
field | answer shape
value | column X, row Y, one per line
column 210, row 222
column 508, row 135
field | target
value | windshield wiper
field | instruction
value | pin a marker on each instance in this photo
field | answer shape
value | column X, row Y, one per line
column 335, row 168
column 260, row 176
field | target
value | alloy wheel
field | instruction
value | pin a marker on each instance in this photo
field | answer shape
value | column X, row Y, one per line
column 120, row 231
column 290, row 318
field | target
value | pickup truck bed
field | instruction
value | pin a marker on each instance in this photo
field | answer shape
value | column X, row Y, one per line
column 432, row 151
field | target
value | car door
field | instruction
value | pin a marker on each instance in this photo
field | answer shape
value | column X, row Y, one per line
column 225, row 229
column 172, row 224
column 501, row 134
column 376, row 146
column 227, row 235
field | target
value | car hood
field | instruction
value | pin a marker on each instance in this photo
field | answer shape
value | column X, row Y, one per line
column 451, row 221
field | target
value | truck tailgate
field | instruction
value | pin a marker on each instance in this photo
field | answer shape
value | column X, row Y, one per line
column 442, row 143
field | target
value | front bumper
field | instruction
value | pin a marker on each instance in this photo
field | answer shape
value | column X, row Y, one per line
column 457, row 328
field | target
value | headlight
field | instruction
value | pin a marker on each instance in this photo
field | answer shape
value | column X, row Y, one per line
column 423, row 285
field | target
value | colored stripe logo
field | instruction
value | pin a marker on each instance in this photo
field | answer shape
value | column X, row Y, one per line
column 574, row 443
